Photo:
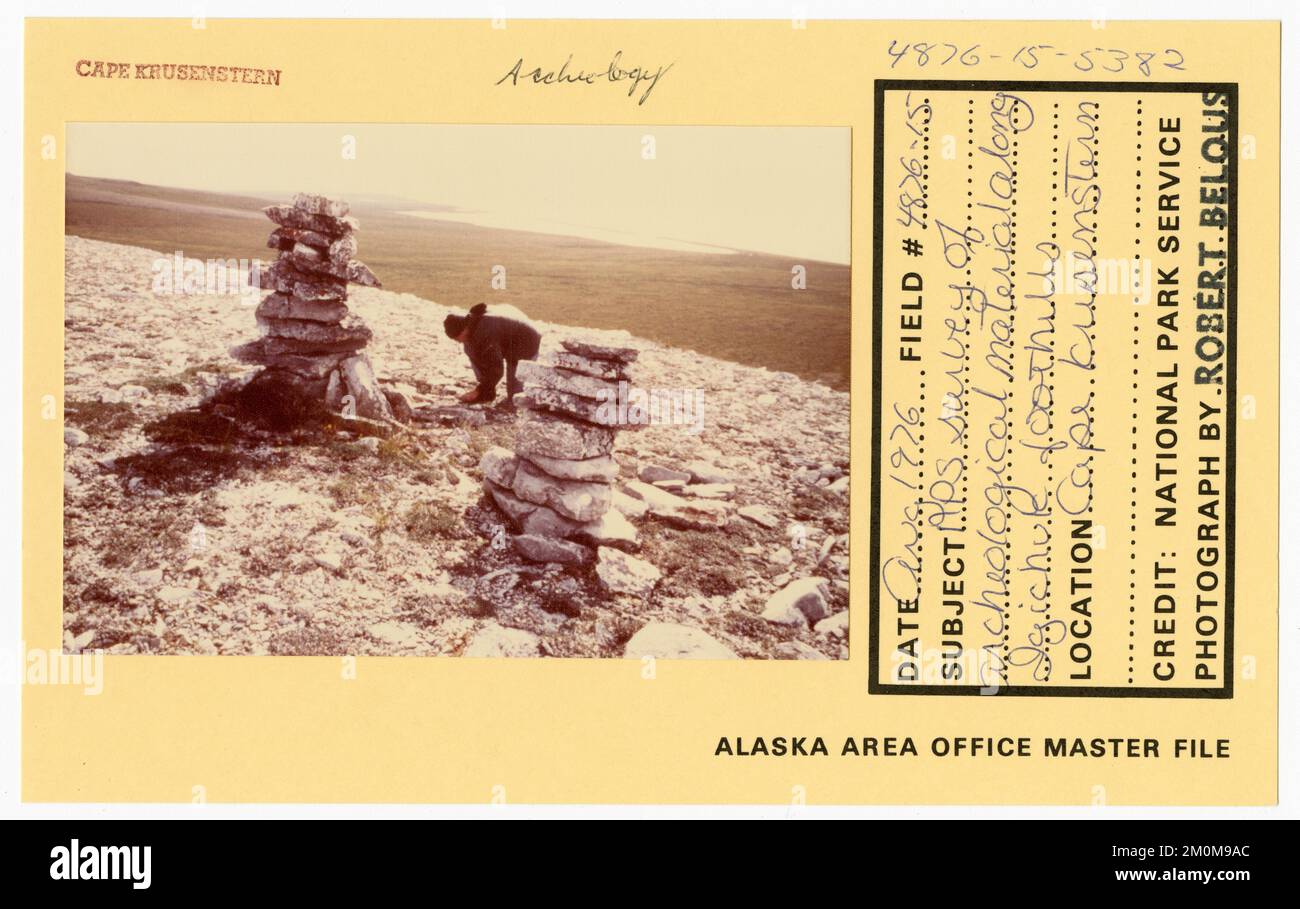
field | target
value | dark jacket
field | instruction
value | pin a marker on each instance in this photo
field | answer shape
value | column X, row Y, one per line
column 495, row 344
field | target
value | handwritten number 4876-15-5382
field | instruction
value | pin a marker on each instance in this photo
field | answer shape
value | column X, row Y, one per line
column 1031, row 56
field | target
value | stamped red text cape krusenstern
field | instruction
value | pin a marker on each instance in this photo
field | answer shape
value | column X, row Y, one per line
column 651, row 412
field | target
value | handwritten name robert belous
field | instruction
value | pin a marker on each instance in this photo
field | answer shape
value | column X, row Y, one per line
column 568, row 74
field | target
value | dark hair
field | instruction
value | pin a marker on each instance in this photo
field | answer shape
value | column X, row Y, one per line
column 455, row 325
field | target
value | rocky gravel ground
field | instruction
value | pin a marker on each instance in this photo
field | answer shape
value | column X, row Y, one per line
column 183, row 535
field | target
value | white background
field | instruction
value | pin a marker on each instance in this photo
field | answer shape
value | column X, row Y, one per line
column 11, row 216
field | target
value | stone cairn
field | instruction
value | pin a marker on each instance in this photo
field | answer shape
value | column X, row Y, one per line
column 557, row 486
column 311, row 343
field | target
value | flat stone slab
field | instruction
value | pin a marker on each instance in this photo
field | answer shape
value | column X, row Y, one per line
column 291, row 216
column 609, row 370
column 352, row 329
column 627, row 574
column 551, row 436
column 574, row 499
column 574, row 383
column 286, row 306
column 671, row 641
column 549, row 549
column 600, row 351
column 602, row 469
column 320, row 205
column 312, row 367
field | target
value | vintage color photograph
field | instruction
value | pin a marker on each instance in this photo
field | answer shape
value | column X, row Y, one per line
column 481, row 391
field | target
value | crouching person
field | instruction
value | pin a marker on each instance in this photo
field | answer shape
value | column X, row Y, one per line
column 494, row 344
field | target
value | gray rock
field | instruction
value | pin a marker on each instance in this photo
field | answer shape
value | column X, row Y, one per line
column 836, row 626
column 319, row 205
column 499, row 465
column 554, row 437
column 351, row 330
column 290, row 216
column 654, row 473
column 759, row 515
column 623, row 573
column 494, row 640
column 600, row 351
column 549, row 549
column 574, row 383
column 704, row 472
column 680, row 512
column 150, row 578
column 398, row 634
column 528, row 517
column 601, row 469
column 73, row 437
column 610, row 529
column 711, row 490
column 577, row 500
column 610, row 370
column 652, row 495
column 367, row 397
column 334, row 390
column 330, row 559
column 799, row 603
column 629, row 506
column 550, row 400
column 285, row 237
column 285, row 306
column 308, row 367
column 399, row 405
column 174, row 596
column 671, row 641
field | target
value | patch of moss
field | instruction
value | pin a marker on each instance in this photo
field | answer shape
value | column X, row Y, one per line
column 308, row 642
column 815, row 505
column 187, row 469
column 709, row 563
column 100, row 418
column 402, row 450
column 162, row 385
column 489, row 435
column 425, row 521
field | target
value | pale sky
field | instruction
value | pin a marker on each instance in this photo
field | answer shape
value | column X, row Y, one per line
column 783, row 190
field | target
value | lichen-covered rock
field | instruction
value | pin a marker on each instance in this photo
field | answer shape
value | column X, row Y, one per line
column 671, row 641
column 801, row 602
column 498, row 465
column 552, row 437
column 623, row 573
column 495, row 640
column 609, row 370
column 367, row 399
column 554, row 401
column 549, row 549
column 574, row 383
column 575, row 499
column 315, row 204
column 284, row 306
column 600, row 351
column 290, row 216
column 603, row 469
column 351, row 330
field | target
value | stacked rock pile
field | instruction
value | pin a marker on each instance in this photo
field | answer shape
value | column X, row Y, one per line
column 310, row 341
column 557, row 486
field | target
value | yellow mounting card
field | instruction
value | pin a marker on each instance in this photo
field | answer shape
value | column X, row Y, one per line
column 778, row 412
